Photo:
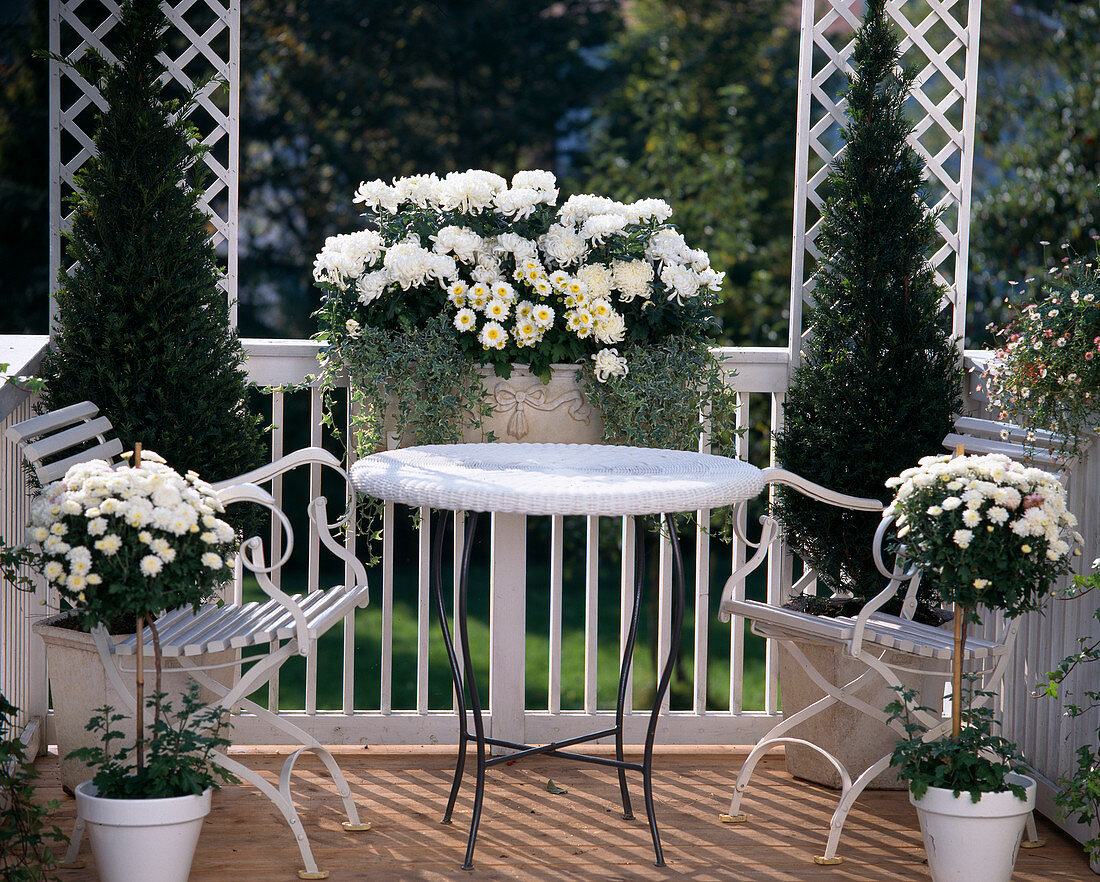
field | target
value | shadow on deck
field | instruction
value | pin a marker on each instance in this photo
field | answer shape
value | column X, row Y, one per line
column 530, row 834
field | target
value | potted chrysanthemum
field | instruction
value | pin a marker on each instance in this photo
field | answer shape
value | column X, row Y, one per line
column 118, row 546
column 494, row 299
column 996, row 535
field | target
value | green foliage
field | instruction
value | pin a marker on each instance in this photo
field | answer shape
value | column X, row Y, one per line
column 879, row 381
column 700, row 112
column 1047, row 374
column 1079, row 788
column 975, row 761
column 658, row 403
column 24, row 172
column 177, row 758
column 1041, row 122
column 340, row 91
column 25, row 833
column 143, row 329
column 415, row 384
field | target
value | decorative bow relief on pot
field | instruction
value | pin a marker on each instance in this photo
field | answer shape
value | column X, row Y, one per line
column 539, row 398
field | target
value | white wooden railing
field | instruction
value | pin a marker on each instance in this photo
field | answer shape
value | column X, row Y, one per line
column 714, row 710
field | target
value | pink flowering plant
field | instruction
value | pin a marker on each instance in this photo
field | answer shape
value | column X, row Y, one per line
column 1047, row 373
column 994, row 532
column 130, row 540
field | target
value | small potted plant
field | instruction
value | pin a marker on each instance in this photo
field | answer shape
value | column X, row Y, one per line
column 1047, row 373
column 1078, row 797
column 145, row 806
column 995, row 534
column 498, row 300
column 125, row 544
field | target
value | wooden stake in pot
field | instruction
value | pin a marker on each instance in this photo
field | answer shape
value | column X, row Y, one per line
column 139, row 673
column 957, row 659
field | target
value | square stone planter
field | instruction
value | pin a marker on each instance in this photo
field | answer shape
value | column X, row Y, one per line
column 853, row 738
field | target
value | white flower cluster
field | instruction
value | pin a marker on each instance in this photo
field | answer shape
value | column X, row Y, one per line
column 146, row 513
column 990, row 491
column 511, row 291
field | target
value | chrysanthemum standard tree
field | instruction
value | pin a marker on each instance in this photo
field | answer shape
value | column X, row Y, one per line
column 879, row 379
column 142, row 327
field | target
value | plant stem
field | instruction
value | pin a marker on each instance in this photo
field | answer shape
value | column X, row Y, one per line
column 139, row 678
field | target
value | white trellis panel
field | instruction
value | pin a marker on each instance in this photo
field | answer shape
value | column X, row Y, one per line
column 939, row 41
column 204, row 42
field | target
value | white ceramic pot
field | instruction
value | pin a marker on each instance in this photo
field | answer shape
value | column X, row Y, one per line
column 142, row 840
column 967, row 841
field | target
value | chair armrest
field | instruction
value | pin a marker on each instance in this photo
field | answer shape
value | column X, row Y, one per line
column 774, row 475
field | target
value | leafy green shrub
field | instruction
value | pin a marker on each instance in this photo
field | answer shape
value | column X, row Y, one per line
column 142, row 327
column 25, row 834
column 879, row 379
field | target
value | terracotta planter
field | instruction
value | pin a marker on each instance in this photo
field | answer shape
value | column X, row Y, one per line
column 78, row 685
column 526, row 410
column 142, row 840
column 853, row 738
column 967, row 840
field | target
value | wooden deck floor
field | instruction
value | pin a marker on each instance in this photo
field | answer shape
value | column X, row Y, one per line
column 530, row 834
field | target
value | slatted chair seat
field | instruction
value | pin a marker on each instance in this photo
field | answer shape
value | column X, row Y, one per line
column 886, row 631
column 216, row 628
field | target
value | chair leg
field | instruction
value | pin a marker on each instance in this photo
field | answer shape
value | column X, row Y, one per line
column 285, row 806
column 71, row 861
column 1033, row 839
column 352, row 824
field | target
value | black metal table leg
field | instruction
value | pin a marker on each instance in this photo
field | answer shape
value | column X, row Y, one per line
column 464, row 679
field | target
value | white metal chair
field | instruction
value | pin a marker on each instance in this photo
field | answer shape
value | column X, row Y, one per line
column 284, row 625
column 887, row 646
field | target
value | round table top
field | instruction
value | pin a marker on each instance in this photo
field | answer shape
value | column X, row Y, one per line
column 556, row 479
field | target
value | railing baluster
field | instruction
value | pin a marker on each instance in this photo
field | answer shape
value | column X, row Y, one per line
column 664, row 606
column 314, row 541
column 277, row 450
column 737, row 557
column 776, row 586
column 626, row 602
column 459, row 523
column 553, row 695
column 423, row 607
column 386, row 698
column 348, row 697
column 591, row 613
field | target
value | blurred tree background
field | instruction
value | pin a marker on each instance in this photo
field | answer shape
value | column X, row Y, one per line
column 690, row 100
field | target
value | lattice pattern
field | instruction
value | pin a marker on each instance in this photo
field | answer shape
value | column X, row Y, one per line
column 940, row 41
column 204, row 42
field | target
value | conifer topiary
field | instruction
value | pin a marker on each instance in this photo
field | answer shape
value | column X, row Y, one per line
column 142, row 327
column 879, row 380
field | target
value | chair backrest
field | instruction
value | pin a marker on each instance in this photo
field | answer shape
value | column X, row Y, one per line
column 55, row 441
column 989, row 436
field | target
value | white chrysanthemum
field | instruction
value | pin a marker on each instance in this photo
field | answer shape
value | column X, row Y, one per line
column 609, row 364
column 598, row 227
column 212, row 561
column 53, row 570
column 71, row 507
column 963, row 538
column 648, row 209
column 950, row 503
column 38, row 534
column 536, row 179
column 478, row 296
column 596, row 279
column 378, row 195
column 496, row 309
column 518, row 203
column 971, row 517
column 465, row 319
column 680, row 281
column 371, row 285
column 163, row 549
column 632, row 278
column 611, row 329
column 55, row 545
column 463, row 243
column 513, row 243
column 543, row 316
column 59, row 529
column 470, row 191
column 600, row 308
column 524, row 309
column 526, row 332
column 151, row 565
column 456, row 293
column 503, row 291
column 997, row 514
column 420, row 190
column 563, row 245
column 493, row 336
column 667, row 246
column 109, row 544
column 577, row 209
column 411, row 265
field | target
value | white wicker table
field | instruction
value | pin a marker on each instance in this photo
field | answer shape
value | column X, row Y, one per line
column 554, row 479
